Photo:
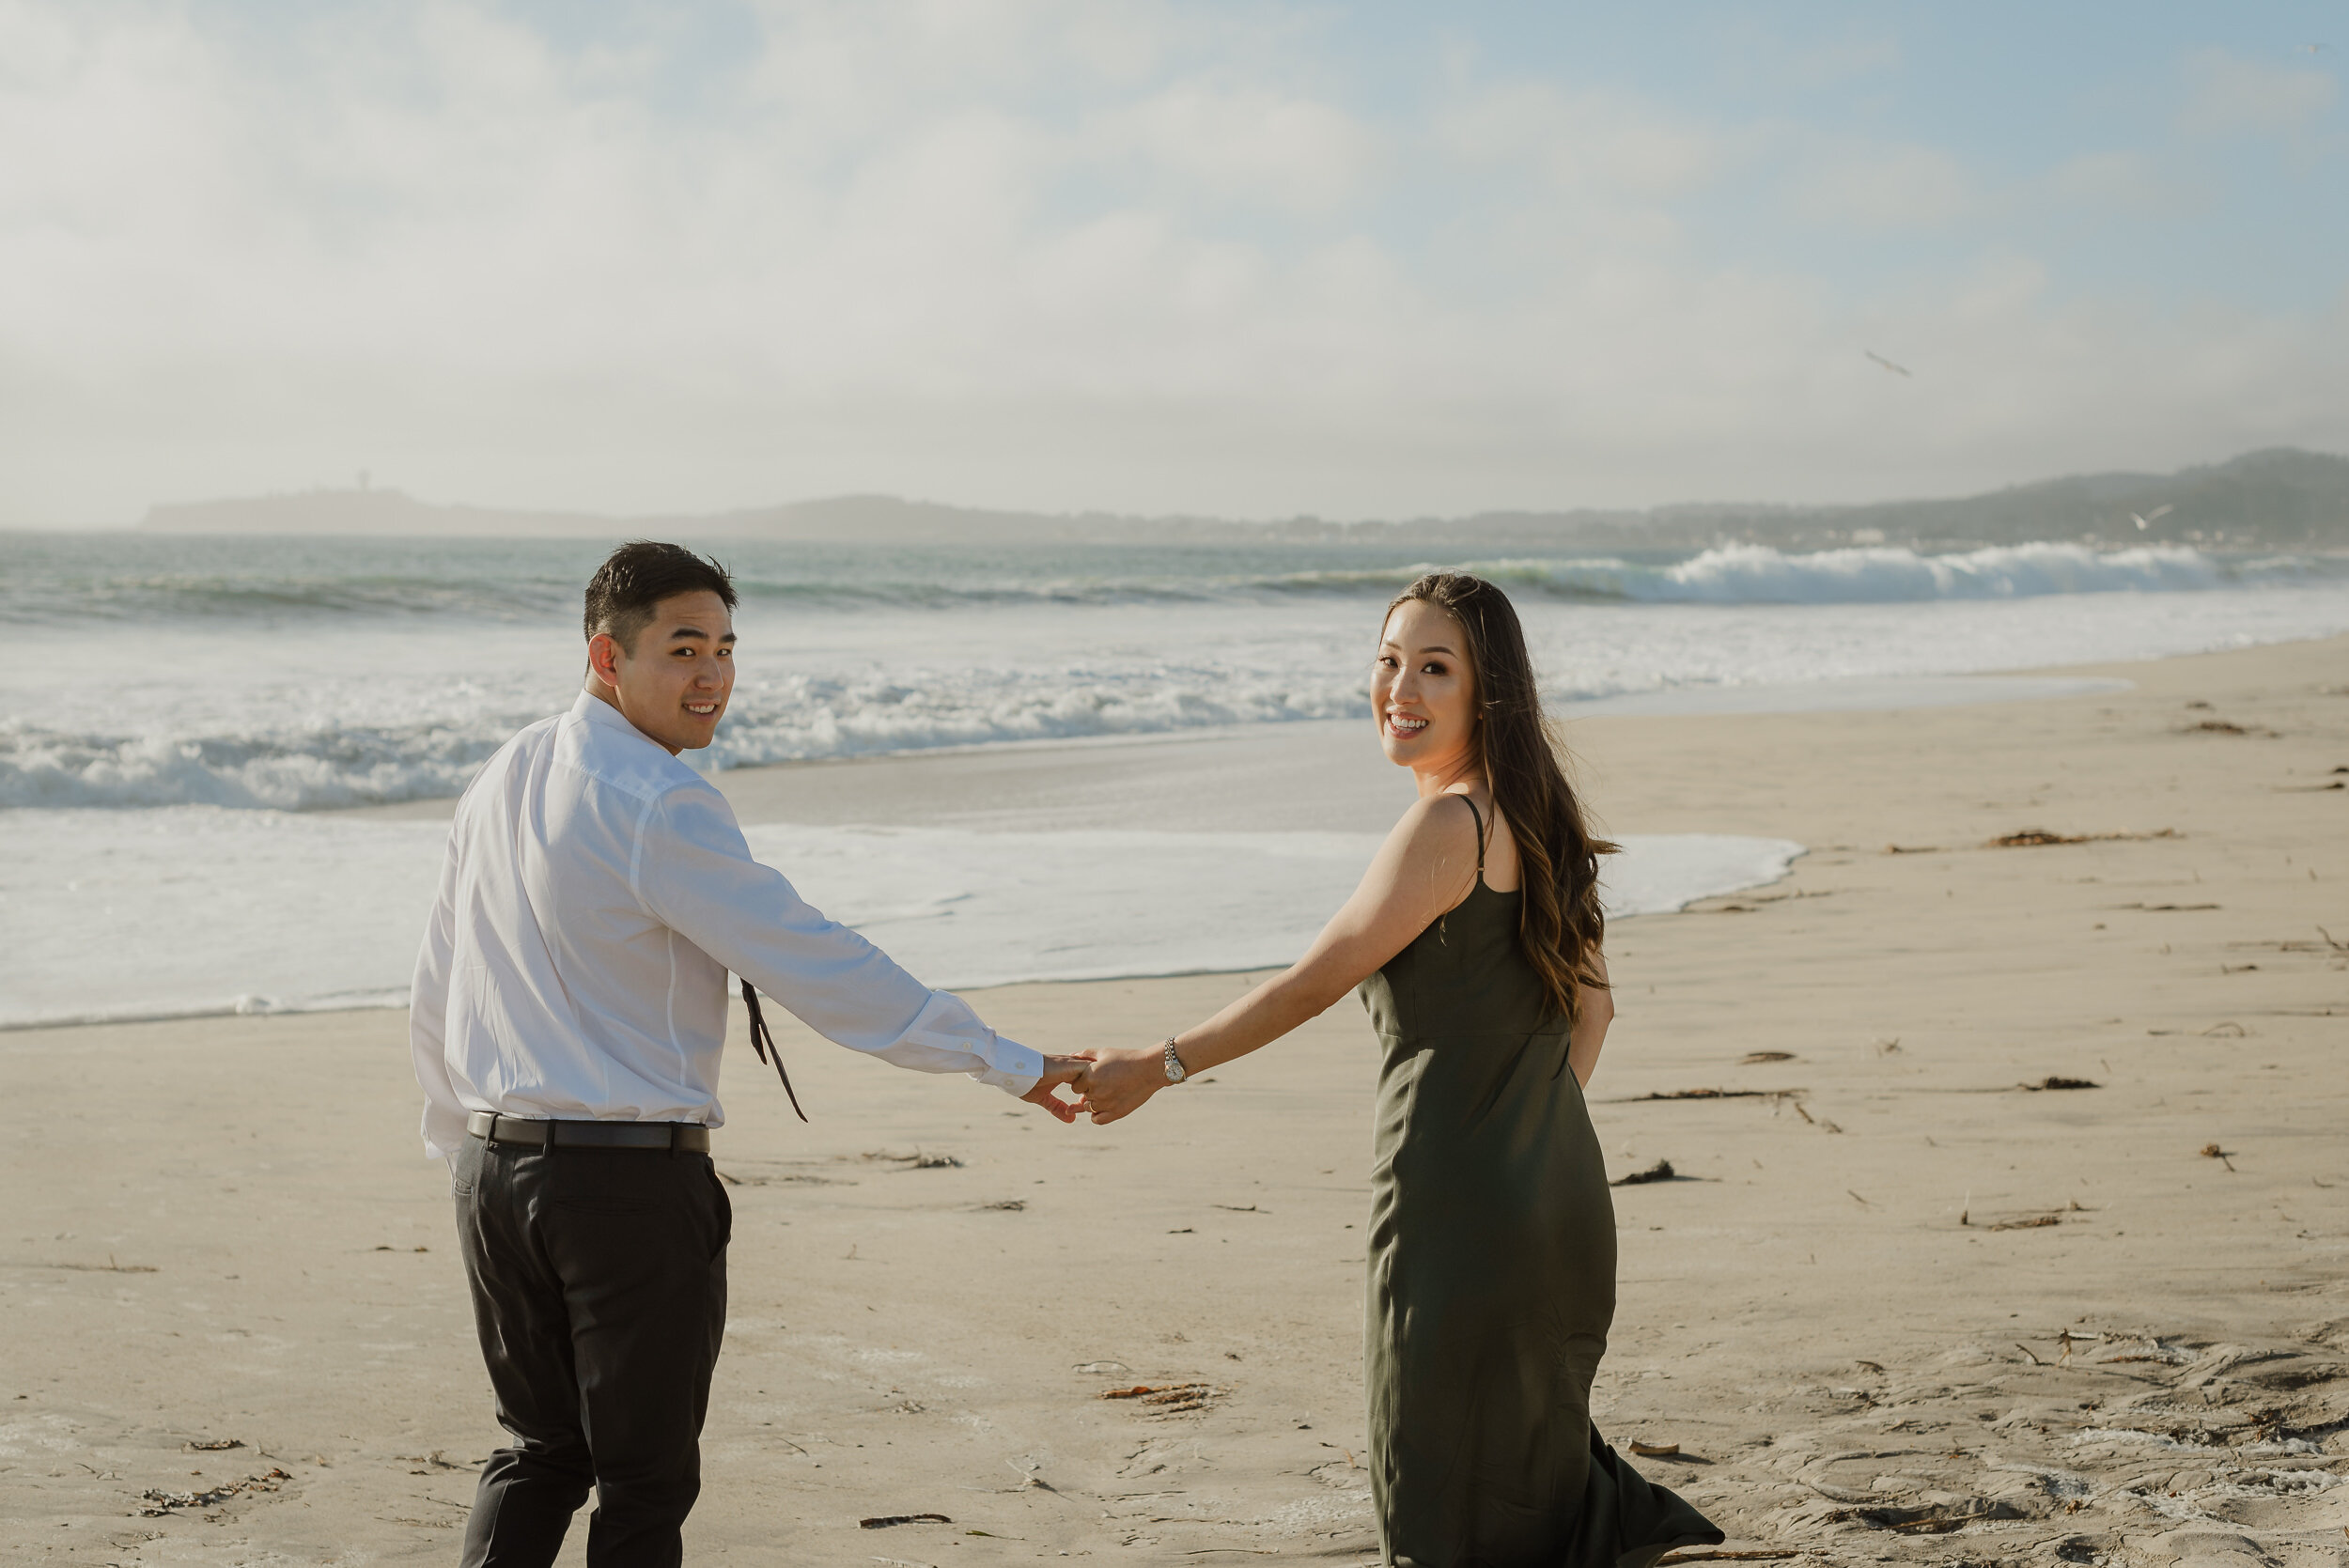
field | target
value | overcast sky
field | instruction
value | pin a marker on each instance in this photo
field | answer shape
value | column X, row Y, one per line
column 1255, row 260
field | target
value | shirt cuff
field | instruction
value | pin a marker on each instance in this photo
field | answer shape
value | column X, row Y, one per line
column 1011, row 1066
column 443, row 1132
column 947, row 1023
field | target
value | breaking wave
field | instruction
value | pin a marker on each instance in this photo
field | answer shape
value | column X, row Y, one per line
column 513, row 585
column 316, row 765
column 1892, row 574
column 1755, row 574
column 299, row 676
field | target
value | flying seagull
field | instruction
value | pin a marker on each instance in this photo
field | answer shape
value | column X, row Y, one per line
column 2153, row 517
column 1888, row 365
column 2313, row 48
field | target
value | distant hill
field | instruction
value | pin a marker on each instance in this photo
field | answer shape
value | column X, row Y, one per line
column 369, row 511
column 852, row 516
column 2282, row 498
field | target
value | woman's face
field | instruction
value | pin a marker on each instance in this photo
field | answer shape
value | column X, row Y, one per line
column 1422, row 690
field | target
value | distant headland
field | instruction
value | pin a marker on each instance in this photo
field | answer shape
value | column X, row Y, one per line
column 2276, row 499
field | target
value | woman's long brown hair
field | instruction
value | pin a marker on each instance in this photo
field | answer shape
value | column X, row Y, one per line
column 1560, row 922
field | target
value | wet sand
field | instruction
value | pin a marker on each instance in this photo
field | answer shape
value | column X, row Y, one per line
column 1894, row 1305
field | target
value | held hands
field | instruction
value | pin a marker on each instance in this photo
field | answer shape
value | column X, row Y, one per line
column 1112, row 1083
column 1116, row 1082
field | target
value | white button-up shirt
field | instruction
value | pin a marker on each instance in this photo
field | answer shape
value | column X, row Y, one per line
column 595, row 892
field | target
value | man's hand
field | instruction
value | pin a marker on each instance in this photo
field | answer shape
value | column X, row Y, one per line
column 1057, row 1071
column 1115, row 1083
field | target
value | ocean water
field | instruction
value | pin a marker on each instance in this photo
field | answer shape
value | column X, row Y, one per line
column 298, row 674
column 180, row 717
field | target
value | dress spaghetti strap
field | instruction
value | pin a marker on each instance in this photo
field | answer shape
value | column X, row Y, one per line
column 1479, row 833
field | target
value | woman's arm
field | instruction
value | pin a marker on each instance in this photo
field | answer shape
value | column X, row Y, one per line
column 1426, row 866
column 1594, row 1010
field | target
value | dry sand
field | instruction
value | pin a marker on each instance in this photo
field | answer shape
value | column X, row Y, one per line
column 1894, row 1306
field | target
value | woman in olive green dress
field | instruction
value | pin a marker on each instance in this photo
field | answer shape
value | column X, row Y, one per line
column 1475, row 938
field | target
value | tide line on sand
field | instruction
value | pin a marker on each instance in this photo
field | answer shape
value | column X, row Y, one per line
column 188, row 911
column 966, row 908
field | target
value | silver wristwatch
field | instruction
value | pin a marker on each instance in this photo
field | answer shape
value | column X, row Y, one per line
column 1175, row 1073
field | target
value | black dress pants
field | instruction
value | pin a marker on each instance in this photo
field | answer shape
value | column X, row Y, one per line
column 599, row 1290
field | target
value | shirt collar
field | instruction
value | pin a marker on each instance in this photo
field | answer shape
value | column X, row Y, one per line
column 597, row 711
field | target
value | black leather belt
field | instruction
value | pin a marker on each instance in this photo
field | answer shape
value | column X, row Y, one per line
column 691, row 1137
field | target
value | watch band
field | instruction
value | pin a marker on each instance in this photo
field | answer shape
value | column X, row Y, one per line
column 1175, row 1073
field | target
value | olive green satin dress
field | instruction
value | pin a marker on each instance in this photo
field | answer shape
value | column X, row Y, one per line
column 1492, row 1273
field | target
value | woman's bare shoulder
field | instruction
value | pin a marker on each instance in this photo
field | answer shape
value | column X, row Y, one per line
column 1437, row 825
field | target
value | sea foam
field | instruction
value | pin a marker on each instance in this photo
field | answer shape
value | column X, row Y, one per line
column 1756, row 574
column 310, row 675
column 375, row 712
column 1882, row 574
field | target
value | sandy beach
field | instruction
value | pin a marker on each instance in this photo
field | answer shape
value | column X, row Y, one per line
column 1903, row 1298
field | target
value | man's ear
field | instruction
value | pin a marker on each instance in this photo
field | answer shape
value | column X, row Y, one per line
column 603, row 656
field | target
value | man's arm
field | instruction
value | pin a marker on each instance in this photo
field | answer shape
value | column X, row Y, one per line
column 428, row 1017
column 696, row 874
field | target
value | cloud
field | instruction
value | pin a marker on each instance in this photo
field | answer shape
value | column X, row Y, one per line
column 1760, row 48
column 1584, row 142
column 1027, row 253
column 1889, row 186
column 2128, row 184
column 2228, row 95
column 1244, row 143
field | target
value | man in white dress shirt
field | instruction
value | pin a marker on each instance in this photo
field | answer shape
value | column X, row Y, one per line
column 568, row 1016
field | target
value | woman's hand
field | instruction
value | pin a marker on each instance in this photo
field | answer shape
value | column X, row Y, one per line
column 1118, row 1081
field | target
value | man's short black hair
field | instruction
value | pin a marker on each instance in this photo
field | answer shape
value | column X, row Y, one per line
column 639, row 575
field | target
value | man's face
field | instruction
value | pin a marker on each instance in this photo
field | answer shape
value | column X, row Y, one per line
column 675, row 685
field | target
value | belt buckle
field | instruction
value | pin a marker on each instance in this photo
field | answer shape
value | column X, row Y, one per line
column 511, row 1127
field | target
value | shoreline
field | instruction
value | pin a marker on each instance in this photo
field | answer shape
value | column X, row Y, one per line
column 1077, row 904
